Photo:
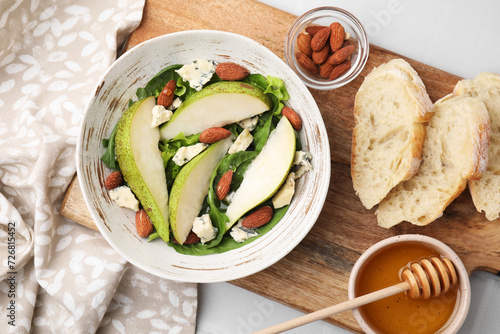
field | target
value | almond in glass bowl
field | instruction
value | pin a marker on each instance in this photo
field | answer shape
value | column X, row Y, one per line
column 326, row 47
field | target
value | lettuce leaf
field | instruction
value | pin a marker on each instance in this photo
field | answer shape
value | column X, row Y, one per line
column 276, row 87
column 272, row 86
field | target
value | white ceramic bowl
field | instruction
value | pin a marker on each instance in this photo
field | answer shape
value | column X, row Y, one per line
column 134, row 69
column 463, row 298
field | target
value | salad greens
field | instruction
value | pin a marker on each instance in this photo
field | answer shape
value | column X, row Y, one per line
column 169, row 148
column 237, row 162
column 109, row 157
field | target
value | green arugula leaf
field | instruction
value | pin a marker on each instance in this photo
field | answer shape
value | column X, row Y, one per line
column 262, row 130
column 257, row 80
column 158, row 82
column 241, row 168
column 109, row 156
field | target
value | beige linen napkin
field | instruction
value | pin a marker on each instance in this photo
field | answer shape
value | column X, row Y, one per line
column 58, row 276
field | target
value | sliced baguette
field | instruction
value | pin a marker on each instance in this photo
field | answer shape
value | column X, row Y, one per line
column 485, row 192
column 455, row 149
column 389, row 109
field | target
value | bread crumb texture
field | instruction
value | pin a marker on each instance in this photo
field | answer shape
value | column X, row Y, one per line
column 390, row 110
column 455, row 150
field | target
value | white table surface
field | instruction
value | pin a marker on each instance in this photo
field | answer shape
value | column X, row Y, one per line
column 461, row 37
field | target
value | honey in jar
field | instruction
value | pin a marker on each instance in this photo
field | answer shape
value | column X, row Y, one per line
column 400, row 314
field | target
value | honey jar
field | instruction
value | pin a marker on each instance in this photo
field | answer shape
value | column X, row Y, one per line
column 381, row 266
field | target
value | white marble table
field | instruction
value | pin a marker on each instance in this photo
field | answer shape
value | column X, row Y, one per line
column 458, row 36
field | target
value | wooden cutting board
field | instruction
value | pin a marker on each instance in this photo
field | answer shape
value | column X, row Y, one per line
column 315, row 274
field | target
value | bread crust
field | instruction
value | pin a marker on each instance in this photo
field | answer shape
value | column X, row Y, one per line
column 484, row 189
column 419, row 92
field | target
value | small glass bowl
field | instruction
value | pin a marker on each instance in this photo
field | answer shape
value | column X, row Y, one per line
column 324, row 16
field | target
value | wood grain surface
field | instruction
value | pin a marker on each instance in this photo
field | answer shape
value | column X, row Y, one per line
column 315, row 274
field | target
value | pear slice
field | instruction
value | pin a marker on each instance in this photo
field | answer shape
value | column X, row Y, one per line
column 140, row 161
column 191, row 187
column 265, row 175
column 216, row 105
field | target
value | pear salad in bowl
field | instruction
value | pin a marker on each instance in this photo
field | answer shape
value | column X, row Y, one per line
column 207, row 156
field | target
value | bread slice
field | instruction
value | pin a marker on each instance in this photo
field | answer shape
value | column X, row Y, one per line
column 389, row 109
column 485, row 192
column 455, row 149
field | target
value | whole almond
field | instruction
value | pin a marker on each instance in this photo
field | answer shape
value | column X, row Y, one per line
column 304, row 44
column 325, row 69
column 258, row 218
column 339, row 70
column 306, row 63
column 319, row 57
column 312, row 30
column 320, row 39
column 213, row 135
column 166, row 96
column 143, row 224
column 337, row 34
column 113, row 180
column 192, row 238
column 224, row 185
column 347, row 42
column 231, row 71
column 292, row 117
column 341, row 55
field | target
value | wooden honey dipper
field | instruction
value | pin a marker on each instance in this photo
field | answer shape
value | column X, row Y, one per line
column 423, row 279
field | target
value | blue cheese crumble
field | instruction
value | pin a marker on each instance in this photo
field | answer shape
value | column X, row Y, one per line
column 124, row 197
column 186, row 153
column 203, row 228
column 241, row 143
column 198, row 73
column 175, row 104
column 249, row 123
column 303, row 160
column 284, row 196
column 160, row 115
column 240, row 234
